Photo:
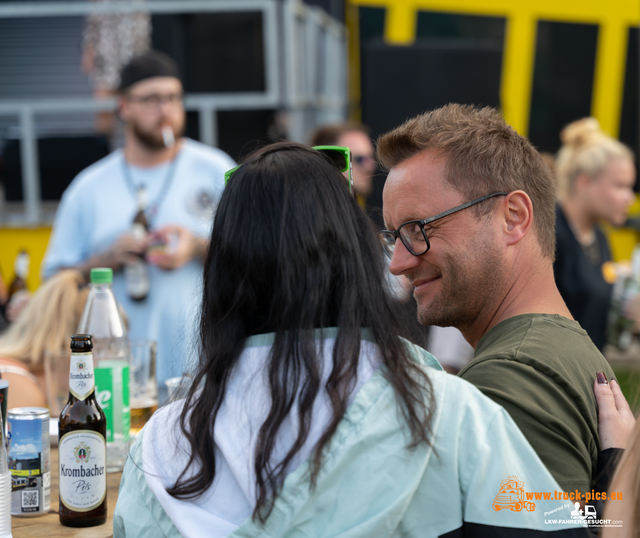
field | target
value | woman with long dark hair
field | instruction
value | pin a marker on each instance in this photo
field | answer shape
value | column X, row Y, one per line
column 308, row 414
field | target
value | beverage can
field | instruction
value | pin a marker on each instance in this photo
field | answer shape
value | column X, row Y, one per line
column 29, row 460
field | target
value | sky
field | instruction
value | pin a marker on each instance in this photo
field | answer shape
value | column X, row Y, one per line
column 26, row 439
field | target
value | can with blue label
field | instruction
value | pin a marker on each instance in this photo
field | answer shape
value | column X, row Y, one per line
column 29, row 458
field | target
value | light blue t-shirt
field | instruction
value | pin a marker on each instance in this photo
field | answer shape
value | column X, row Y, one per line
column 99, row 206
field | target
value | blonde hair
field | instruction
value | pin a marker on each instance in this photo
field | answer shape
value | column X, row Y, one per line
column 483, row 155
column 48, row 320
column 586, row 149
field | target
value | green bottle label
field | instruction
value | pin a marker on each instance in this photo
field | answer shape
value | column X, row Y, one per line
column 112, row 393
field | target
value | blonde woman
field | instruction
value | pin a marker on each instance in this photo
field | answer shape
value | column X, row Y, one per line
column 595, row 175
column 44, row 325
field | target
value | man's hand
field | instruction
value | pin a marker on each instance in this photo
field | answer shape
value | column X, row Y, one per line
column 181, row 246
column 123, row 251
column 615, row 419
column 87, row 62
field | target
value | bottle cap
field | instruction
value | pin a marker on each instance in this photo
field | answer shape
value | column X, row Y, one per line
column 101, row 275
column 81, row 337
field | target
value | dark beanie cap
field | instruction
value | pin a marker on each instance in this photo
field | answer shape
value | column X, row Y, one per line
column 148, row 65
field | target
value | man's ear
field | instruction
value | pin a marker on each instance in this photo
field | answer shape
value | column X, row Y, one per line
column 122, row 106
column 517, row 215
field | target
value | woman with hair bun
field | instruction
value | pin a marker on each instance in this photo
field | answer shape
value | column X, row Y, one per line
column 595, row 175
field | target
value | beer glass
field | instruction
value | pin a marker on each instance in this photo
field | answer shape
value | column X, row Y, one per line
column 56, row 376
column 177, row 387
column 143, row 386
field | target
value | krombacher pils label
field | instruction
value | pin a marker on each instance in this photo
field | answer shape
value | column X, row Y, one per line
column 83, row 475
column 81, row 379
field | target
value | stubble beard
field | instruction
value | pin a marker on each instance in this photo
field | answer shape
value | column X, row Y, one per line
column 151, row 139
column 470, row 284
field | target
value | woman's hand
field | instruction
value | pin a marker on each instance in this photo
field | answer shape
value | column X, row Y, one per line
column 615, row 419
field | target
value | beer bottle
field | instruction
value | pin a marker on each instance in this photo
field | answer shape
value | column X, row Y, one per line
column 82, row 446
column 136, row 274
column 21, row 270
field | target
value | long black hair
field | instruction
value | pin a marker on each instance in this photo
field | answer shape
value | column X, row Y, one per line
column 291, row 251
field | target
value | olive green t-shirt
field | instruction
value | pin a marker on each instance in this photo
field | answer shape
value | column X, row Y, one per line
column 541, row 368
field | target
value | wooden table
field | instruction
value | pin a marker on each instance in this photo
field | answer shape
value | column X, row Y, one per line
column 49, row 524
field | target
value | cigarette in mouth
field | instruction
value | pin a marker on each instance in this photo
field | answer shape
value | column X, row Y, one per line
column 167, row 137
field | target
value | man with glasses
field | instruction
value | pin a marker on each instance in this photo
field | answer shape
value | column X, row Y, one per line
column 469, row 207
column 175, row 183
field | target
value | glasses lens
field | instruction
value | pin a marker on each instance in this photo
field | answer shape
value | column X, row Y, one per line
column 340, row 156
column 388, row 241
column 413, row 238
column 336, row 157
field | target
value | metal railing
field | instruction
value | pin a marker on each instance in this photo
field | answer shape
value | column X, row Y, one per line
column 305, row 74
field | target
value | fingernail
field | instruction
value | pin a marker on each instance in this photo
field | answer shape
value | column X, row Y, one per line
column 602, row 379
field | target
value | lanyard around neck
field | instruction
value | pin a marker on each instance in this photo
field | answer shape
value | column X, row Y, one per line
column 152, row 209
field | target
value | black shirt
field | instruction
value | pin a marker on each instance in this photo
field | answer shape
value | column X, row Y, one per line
column 578, row 274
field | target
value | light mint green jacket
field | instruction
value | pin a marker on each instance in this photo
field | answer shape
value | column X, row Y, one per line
column 370, row 485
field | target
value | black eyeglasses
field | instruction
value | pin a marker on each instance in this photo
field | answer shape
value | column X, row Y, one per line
column 412, row 233
column 155, row 99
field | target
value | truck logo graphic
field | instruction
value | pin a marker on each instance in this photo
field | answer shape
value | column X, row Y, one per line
column 511, row 496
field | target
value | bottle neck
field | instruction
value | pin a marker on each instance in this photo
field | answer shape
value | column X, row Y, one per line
column 21, row 265
column 142, row 199
column 81, row 377
column 102, row 286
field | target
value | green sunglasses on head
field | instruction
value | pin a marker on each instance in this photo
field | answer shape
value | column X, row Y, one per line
column 340, row 156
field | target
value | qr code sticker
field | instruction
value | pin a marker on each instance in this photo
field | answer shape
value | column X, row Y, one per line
column 30, row 501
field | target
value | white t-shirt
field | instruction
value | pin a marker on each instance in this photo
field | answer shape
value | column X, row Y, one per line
column 99, row 206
